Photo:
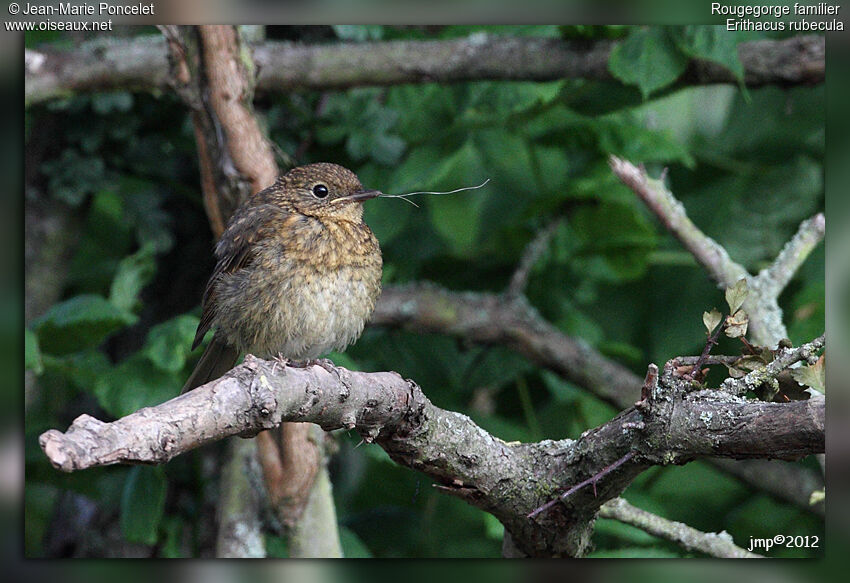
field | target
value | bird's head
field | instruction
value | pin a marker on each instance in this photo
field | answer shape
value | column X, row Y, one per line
column 325, row 190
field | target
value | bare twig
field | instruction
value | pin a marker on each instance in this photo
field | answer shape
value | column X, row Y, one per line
column 709, row 343
column 592, row 480
column 718, row 545
column 538, row 245
column 140, row 64
column 776, row 276
column 762, row 304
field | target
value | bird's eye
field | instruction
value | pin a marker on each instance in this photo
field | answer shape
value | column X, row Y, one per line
column 320, row 191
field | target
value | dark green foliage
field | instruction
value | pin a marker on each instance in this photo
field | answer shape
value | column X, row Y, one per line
column 748, row 169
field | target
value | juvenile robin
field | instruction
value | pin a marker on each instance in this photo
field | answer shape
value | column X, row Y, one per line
column 298, row 273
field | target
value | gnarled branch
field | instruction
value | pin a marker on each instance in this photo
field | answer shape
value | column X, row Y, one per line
column 668, row 425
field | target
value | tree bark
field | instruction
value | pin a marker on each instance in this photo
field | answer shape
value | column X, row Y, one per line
column 140, row 64
column 516, row 482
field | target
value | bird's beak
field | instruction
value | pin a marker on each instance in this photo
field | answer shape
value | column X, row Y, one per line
column 361, row 196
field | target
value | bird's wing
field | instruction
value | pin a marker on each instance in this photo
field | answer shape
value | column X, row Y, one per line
column 235, row 250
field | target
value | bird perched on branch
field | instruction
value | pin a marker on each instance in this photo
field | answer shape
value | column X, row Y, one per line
column 298, row 273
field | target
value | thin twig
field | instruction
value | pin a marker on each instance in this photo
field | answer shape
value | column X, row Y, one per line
column 718, row 545
column 784, row 358
column 776, row 276
column 530, row 256
column 591, row 480
column 766, row 327
column 711, row 341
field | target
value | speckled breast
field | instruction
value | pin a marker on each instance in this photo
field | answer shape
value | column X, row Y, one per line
column 303, row 304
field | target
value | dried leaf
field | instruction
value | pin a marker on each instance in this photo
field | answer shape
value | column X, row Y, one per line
column 711, row 319
column 813, row 376
column 735, row 296
column 736, row 324
column 750, row 362
column 735, row 373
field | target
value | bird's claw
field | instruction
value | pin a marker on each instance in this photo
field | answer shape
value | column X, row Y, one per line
column 279, row 360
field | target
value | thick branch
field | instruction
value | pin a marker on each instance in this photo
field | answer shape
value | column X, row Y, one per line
column 508, row 480
column 718, row 545
column 140, row 64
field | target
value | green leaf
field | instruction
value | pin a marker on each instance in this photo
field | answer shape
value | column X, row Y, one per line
column 711, row 43
column 360, row 119
column 616, row 240
column 711, row 319
column 73, row 176
column 359, row 32
column 135, row 383
column 173, row 532
column 80, row 322
column 456, row 217
column 493, row 528
column 32, row 353
column 142, row 504
column 169, row 344
column 82, row 369
column 105, row 103
column 736, row 294
column 813, row 376
column 352, row 545
column 134, row 273
column 648, row 58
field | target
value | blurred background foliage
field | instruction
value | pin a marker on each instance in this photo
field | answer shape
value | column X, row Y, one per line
column 746, row 163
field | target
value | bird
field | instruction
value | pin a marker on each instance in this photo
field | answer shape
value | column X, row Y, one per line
column 298, row 273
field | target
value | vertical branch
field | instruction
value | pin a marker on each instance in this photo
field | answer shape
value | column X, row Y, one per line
column 213, row 71
column 239, row 507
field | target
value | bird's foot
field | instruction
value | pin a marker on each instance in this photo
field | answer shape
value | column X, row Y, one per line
column 280, row 360
column 328, row 365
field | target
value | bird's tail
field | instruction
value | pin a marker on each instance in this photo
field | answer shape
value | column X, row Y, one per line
column 216, row 360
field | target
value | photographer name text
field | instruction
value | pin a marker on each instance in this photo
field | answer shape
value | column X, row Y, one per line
column 101, row 9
